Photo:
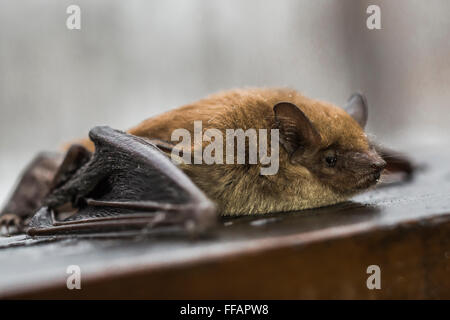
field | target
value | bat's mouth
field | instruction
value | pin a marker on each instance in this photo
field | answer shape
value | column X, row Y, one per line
column 368, row 180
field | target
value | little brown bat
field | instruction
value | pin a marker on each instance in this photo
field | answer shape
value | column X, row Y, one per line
column 325, row 155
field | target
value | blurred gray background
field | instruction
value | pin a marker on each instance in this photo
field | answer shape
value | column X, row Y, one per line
column 134, row 59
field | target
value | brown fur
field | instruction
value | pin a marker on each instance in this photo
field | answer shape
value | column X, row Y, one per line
column 299, row 184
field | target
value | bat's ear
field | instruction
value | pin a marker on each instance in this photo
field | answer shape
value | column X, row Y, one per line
column 357, row 107
column 297, row 133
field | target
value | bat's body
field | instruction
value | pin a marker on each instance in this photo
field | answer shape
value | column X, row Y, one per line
column 240, row 189
column 324, row 155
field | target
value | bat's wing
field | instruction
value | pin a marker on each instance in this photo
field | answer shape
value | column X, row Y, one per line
column 33, row 185
column 127, row 184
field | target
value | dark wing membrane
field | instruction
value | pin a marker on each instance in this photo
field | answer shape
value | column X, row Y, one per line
column 127, row 183
column 33, row 185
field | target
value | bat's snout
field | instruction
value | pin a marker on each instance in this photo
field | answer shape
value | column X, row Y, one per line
column 378, row 164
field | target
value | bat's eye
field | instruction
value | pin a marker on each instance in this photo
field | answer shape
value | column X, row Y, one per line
column 331, row 161
column 330, row 158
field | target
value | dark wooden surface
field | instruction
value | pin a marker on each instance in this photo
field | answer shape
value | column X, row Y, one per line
column 322, row 253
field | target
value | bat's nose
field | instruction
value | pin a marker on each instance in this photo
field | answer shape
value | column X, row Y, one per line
column 379, row 164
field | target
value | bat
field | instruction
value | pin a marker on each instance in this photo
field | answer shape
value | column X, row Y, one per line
column 119, row 180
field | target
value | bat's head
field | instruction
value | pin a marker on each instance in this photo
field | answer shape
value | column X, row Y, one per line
column 330, row 143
